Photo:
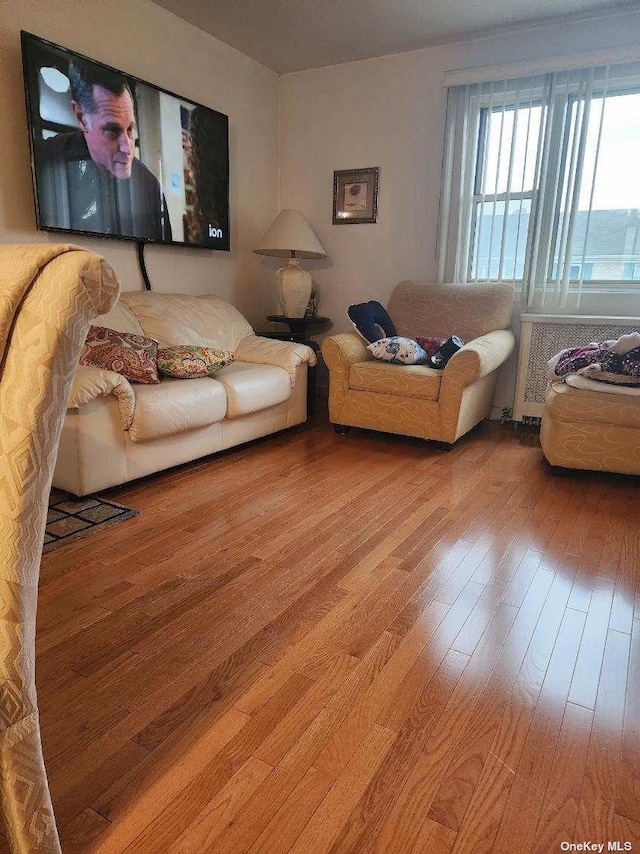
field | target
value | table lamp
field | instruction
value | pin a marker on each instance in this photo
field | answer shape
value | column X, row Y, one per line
column 290, row 236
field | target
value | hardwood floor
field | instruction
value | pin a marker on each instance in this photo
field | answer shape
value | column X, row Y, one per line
column 349, row 643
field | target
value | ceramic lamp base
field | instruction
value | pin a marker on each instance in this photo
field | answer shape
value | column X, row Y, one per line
column 293, row 287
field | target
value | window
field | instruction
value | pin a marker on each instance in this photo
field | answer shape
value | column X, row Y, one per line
column 607, row 217
column 632, row 272
column 541, row 182
column 504, row 187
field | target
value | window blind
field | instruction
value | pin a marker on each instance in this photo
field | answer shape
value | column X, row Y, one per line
column 520, row 178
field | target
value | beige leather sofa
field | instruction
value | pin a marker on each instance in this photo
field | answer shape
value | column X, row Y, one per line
column 597, row 431
column 116, row 431
column 413, row 399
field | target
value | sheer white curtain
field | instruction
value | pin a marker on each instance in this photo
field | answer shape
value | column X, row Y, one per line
column 520, row 175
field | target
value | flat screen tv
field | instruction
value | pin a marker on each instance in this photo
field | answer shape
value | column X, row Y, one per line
column 114, row 156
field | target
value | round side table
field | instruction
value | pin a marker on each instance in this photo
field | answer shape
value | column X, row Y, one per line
column 299, row 326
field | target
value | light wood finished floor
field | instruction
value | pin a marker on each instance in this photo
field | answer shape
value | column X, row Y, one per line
column 355, row 643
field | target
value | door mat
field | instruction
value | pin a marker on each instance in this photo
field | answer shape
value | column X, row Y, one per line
column 71, row 518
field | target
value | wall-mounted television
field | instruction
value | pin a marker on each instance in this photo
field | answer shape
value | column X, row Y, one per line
column 114, row 156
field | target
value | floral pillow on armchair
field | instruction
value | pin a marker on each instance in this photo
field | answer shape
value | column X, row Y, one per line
column 398, row 350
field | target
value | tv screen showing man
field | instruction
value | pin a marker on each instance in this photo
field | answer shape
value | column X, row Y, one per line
column 90, row 178
column 118, row 157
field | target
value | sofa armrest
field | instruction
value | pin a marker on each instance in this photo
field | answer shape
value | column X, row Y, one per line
column 477, row 360
column 91, row 383
column 342, row 351
column 270, row 351
column 479, row 357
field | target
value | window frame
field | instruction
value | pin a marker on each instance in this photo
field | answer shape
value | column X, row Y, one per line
column 559, row 139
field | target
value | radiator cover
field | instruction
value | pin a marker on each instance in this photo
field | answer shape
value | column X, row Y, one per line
column 544, row 335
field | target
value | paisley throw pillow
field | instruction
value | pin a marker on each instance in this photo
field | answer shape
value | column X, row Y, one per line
column 187, row 362
column 131, row 355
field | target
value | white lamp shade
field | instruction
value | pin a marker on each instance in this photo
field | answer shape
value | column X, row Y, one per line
column 290, row 232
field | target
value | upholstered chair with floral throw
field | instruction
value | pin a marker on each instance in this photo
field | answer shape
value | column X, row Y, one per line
column 48, row 297
column 416, row 400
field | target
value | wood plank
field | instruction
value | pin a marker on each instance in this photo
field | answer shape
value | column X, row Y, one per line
column 559, row 811
column 457, row 731
column 327, row 821
column 478, row 817
column 434, row 837
column 627, row 832
column 142, row 811
column 362, row 715
column 289, row 821
column 628, row 793
column 202, row 784
column 222, row 808
column 584, row 685
column 281, row 785
column 219, row 689
column 622, row 607
column 597, row 802
column 532, row 773
column 369, row 814
column 71, row 802
column 79, row 833
column 295, row 722
column 480, row 663
column 506, row 702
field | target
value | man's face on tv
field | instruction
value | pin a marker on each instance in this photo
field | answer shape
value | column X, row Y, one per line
column 109, row 130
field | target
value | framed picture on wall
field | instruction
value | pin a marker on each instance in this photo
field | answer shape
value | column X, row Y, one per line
column 355, row 195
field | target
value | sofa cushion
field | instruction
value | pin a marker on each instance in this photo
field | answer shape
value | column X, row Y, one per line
column 404, row 380
column 120, row 318
column 176, row 319
column 253, row 387
column 579, row 405
column 175, row 406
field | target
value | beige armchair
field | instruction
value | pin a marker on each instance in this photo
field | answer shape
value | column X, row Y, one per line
column 48, row 296
column 415, row 400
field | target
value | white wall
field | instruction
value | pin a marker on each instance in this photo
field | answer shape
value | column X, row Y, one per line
column 388, row 112
column 139, row 37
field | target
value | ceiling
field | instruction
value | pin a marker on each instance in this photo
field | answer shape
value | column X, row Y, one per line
column 293, row 35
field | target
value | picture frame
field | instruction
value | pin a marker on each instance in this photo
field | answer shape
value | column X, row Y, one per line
column 355, row 195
